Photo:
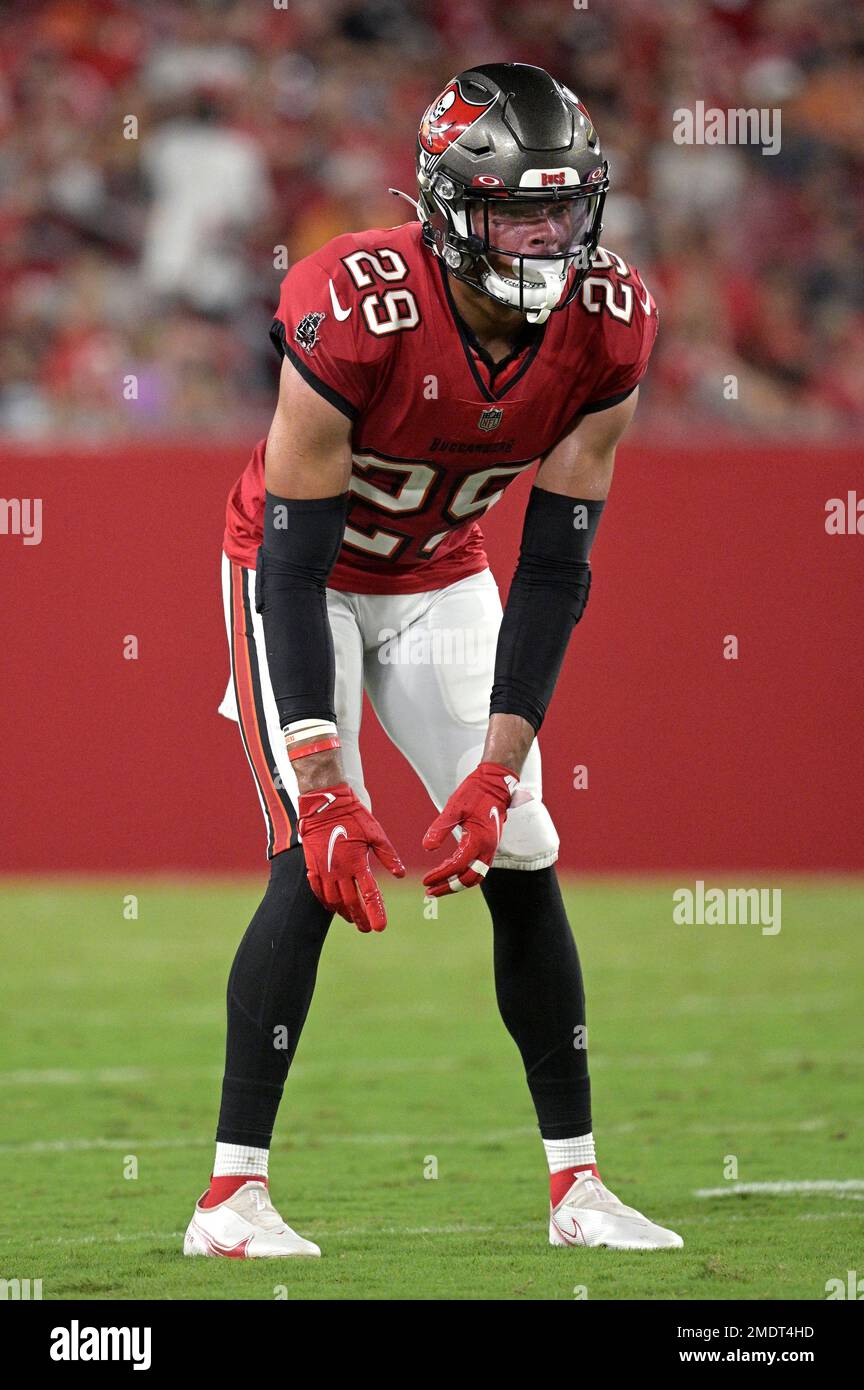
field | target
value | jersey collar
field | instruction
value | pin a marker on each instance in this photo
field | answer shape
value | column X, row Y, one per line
column 528, row 343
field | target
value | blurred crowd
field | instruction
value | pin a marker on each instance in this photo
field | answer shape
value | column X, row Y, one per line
column 162, row 163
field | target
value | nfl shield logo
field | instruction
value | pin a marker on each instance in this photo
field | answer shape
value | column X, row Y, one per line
column 490, row 419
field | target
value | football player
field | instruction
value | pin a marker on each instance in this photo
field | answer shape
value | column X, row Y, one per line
column 424, row 367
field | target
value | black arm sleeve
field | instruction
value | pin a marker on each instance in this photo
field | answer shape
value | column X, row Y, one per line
column 302, row 540
column 547, row 598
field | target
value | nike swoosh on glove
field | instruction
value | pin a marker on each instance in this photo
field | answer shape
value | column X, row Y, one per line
column 479, row 805
column 337, row 834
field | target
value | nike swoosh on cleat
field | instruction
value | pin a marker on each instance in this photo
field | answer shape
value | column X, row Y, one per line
column 574, row 1237
column 231, row 1252
column 334, row 836
column 338, row 312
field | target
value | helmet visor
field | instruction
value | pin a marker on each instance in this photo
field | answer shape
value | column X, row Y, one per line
column 531, row 227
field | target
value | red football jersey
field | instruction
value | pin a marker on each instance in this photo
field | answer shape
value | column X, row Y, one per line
column 438, row 429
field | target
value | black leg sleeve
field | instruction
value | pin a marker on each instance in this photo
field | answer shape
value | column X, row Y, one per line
column 269, row 992
column 538, row 982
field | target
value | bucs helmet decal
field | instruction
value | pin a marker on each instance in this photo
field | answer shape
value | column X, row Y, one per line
column 449, row 117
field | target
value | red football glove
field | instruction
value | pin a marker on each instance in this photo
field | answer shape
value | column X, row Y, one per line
column 337, row 833
column 479, row 806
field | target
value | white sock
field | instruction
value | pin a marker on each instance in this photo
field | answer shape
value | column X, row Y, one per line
column 570, row 1153
column 237, row 1158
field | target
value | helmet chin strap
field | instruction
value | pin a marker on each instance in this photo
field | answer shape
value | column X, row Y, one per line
column 540, row 296
column 554, row 285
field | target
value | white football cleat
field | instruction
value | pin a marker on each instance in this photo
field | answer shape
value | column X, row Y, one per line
column 589, row 1214
column 245, row 1227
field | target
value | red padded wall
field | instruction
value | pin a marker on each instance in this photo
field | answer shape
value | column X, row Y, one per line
column 694, row 762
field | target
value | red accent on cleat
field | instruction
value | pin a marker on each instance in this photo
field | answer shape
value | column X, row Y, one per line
column 222, row 1188
column 231, row 1252
column 560, row 1183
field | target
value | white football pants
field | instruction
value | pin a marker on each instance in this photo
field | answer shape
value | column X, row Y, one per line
column 426, row 661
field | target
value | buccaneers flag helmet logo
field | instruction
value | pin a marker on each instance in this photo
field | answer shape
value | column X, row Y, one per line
column 449, row 117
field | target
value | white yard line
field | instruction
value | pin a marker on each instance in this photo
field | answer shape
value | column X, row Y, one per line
column 473, row 1137
column 684, row 1061
column 108, row 1076
column 716, row 1218
column 848, row 1187
column 68, row 1146
column 342, row 1232
column 66, row 1076
column 132, row 1146
column 321, row 1231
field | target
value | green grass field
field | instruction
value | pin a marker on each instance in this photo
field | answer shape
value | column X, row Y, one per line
column 705, row 1042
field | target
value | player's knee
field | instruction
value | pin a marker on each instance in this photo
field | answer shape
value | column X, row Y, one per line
column 529, row 839
column 285, row 865
column 289, row 905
